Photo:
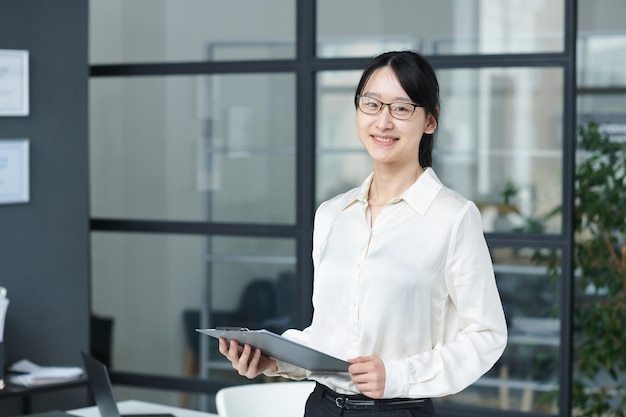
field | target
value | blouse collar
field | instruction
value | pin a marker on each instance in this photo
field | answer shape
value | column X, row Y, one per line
column 418, row 196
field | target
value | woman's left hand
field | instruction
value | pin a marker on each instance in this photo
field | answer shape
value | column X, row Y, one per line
column 368, row 373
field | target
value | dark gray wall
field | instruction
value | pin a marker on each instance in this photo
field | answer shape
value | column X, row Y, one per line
column 44, row 244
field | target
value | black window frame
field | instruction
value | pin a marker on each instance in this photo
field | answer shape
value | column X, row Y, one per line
column 305, row 66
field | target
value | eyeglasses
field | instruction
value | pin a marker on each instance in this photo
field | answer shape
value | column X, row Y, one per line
column 400, row 111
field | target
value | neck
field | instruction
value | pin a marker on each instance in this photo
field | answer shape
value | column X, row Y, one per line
column 387, row 186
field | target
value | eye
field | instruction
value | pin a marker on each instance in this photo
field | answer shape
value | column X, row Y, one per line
column 370, row 102
column 401, row 108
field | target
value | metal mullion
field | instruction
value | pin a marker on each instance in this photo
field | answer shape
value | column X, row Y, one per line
column 455, row 61
column 191, row 68
column 305, row 154
column 525, row 240
column 569, row 166
column 614, row 90
column 546, row 59
column 192, row 228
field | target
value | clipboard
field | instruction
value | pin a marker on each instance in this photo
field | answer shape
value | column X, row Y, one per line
column 281, row 348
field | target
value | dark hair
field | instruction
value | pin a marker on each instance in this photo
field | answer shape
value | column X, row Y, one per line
column 417, row 77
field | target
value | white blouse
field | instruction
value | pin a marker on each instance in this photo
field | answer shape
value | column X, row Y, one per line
column 417, row 289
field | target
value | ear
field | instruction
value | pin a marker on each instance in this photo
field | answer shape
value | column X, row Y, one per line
column 431, row 123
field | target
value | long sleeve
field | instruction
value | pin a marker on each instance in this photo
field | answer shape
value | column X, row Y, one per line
column 473, row 314
column 416, row 288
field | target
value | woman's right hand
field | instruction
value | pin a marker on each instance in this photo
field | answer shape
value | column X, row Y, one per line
column 247, row 362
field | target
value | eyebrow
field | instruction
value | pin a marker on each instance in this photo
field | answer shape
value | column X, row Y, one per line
column 395, row 100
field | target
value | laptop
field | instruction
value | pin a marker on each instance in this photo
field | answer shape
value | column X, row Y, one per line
column 102, row 390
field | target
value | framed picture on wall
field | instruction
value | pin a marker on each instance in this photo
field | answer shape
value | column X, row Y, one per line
column 14, row 83
column 14, row 177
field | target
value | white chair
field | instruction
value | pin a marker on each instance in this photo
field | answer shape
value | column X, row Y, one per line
column 273, row 399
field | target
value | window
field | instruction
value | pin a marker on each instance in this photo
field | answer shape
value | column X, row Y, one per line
column 362, row 28
column 217, row 128
column 195, row 148
column 148, row 31
column 499, row 129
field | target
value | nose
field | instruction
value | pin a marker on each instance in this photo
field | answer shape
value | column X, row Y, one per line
column 384, row 118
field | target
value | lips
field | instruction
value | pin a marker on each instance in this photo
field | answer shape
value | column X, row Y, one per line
column 383, row 139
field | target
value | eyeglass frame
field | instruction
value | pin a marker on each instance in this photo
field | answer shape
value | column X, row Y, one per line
column 383, row 104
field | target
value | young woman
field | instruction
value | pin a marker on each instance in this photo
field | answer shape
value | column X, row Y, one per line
column 404, row 287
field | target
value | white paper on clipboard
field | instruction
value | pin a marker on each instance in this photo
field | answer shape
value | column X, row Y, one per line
column 281, row 348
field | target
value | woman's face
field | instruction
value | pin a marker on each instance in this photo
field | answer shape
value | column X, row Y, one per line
column 386, row 139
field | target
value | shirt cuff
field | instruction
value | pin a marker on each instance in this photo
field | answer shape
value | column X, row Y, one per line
column 396, row 379
column 286, row 370
column 272, row 371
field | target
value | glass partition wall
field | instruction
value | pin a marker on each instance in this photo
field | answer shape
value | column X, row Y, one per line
column 218, row 128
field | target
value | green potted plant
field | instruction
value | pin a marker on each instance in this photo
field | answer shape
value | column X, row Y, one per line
column 599, row 388
column 600, row 283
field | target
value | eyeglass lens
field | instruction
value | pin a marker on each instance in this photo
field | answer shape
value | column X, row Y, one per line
column 371, row 105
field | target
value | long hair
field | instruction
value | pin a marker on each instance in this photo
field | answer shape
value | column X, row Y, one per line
column 417, row 78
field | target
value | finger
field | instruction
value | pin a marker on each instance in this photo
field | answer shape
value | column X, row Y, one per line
column 362, row 359
column 233, row 350
column 223, row 346
column 244, row 355
column 253, row 365
column 244, row 359
column 359, row 368
column 237, row 357
column 363, row 379
column 361, row 364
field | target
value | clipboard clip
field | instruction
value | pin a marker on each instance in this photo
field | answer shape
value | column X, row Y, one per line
column 233, row 329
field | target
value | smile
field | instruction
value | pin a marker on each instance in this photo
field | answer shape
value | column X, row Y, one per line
column 383, row 139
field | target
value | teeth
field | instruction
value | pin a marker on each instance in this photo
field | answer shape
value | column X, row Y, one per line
column 384, row 139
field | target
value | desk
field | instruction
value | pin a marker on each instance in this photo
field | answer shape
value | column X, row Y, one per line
column 138, row 407
column 26, row 393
